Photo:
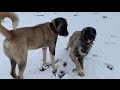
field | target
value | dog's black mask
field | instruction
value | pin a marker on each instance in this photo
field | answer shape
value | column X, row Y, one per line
column 89, row 34
column 61, row 26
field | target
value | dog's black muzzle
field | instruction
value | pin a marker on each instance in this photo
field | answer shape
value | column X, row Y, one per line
column 63, row 31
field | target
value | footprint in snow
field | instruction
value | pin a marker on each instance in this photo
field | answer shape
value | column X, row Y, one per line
column 109, row 66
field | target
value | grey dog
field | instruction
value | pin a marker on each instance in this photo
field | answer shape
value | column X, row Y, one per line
column 81, row 43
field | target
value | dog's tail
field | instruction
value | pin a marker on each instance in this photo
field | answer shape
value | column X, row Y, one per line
column 13, row 16
column 15, row 20
column 5, row 32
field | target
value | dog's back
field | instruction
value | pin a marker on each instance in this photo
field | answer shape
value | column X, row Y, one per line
column 74, row 36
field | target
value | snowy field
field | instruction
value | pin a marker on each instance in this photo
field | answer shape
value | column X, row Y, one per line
column 105, row 50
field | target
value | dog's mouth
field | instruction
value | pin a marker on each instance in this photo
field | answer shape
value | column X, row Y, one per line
column 86, row 42
column 89, row 38
column 64, row 36
column 63, row 33
column 90, row 41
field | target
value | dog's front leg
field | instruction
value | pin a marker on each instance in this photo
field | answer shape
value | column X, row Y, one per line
column 68, row 45
column 78, row 66
column 52, row 54
column 80, row 59
column 44, row 54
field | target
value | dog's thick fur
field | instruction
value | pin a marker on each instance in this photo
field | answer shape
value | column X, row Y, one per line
column 19, row 41
column 13, row 16
column 78, row 49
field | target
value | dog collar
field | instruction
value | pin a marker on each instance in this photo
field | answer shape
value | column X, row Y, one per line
column 85, row 42
column 52, row 27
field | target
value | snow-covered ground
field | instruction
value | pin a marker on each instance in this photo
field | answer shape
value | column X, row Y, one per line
column 105, row 49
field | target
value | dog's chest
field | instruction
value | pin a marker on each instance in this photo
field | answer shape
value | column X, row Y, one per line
column 80, row 50
column 6, row 43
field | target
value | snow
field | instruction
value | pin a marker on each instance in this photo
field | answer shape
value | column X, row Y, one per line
column 105, row 49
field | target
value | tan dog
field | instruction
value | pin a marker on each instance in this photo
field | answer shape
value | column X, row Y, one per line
column 81, row 43
column 13, row 16
column 19, row 41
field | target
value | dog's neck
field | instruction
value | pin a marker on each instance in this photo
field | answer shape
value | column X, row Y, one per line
column 85, row 42
column 52, row 27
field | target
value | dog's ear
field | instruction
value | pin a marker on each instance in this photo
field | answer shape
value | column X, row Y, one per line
column 59, row 20
column 56, row 22
column 83, row 32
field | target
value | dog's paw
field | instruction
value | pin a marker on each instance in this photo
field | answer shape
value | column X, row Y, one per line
column 81, row 74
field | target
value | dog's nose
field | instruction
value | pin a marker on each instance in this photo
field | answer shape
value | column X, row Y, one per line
column 65, row 35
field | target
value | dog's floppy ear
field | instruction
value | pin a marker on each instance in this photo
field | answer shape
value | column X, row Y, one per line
column 56, row 22
column 88, row 30
column 59, row 20
column 83, row 32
